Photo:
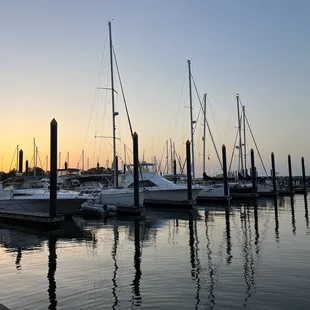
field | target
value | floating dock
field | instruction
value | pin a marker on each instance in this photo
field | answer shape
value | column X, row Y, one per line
column 186, row 204
column 27, row 218
column 214, row 200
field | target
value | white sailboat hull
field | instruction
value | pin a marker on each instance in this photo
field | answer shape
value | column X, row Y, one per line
column 38, row 200
column 212, row 191
column 123, row 197
column 168, row 195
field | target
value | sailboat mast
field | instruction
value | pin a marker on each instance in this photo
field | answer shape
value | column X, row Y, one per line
column 34, row 156
column 191, row 116
column 167, row 156
column 240, row 138
column 113, row 108
column 204, row 132
column 244, row 140
column 17, row 155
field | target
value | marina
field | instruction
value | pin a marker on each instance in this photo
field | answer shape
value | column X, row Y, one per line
column 134, row 263
column 154, row 156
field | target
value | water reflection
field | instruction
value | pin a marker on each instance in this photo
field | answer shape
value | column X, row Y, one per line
column 52, row 257
column 276, row 219
column 18, row 258
column 113, row 254
column 211, row 296
column 136, row 298
column 228, row 236
column 293, row 215
column 256, row 229
column 247, row 253
column 306, row 212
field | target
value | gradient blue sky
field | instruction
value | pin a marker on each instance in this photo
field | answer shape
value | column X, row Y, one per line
column 50, row 60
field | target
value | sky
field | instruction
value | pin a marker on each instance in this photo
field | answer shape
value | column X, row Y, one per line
column 54, row 55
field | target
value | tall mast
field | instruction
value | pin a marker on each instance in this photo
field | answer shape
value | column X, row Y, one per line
column 17, row 155
column 68, row 159
column 34, row 157
column 113, row 108
column 204, row 132
column 59, row 164
column 191, row 115
column 167, row 156
column 83, row 160
column 240, row 138
column 244, row 141
column 171, row 157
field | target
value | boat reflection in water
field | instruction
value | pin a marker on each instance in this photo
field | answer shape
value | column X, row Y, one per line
column 190, row 259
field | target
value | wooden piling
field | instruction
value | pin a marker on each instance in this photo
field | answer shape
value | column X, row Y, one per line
column 26, row 168
column 21, row 160
column 225, row 170
column 136, row 169
column 189, row 170
column 66, row 165
column 274, row 182
column 290, row 176
column 304, row 180
column 53, row 167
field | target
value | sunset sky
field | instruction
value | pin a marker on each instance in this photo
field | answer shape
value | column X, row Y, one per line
column 54, row 56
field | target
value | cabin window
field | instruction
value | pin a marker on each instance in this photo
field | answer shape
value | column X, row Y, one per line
column 143, row 183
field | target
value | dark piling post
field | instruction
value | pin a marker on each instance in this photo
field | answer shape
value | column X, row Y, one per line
column 26, row 168
column 225, row 170
column 274, row 182
column 304, row 180
column 124, row 168
column 66, row 165
column 116, row 171
column 97, row 168
column 21, row 160
column 53, row 167
column 175, row 170
column 136, row 169
column 290, row 177
column 253, row 172
column 189, row 170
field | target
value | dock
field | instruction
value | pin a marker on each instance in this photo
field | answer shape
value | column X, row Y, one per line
column 214, row 200
column 27, row 218
column 2, row 307
column 186, row 204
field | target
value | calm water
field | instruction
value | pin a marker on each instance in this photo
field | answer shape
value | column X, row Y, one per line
column 257, row 258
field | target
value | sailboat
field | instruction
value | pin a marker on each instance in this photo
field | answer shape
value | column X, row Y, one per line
column 244, row 184
column 119, row 197
column 209, row 192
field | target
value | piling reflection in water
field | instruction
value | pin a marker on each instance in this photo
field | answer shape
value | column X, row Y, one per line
column 18, row 258
column 276, row 219
column 228, row 236
column 52, row 257
column 293, row 215
column 306, row 212
column 256, row 228
column 136, row 298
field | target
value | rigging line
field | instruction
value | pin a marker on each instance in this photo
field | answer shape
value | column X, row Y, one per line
column 40, row 160
column 258, row 152
column 216, row 151
column 96, row 90
column 233, row 152
column 121, row 85
column 179, row 160
column 13, row 160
